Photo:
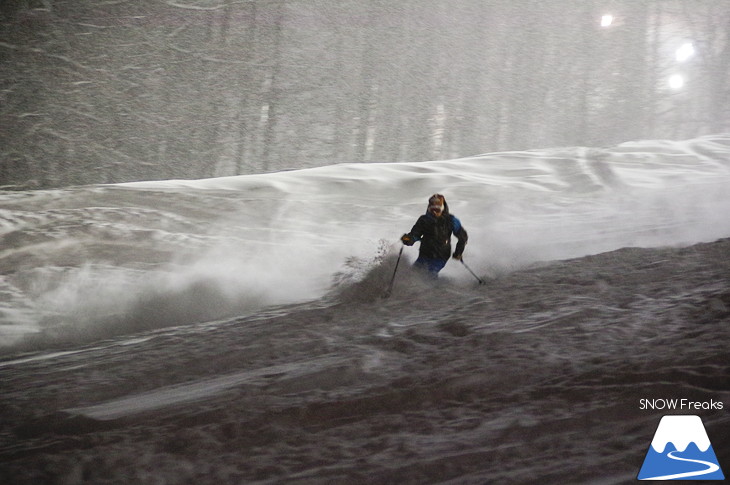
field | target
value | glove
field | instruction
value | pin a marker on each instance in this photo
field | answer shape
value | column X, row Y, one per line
column 407, row 240
column 457, row 256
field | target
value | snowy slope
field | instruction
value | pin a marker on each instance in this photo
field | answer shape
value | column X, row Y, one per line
column 232, row 331
column 88, row 262
column 162, row 253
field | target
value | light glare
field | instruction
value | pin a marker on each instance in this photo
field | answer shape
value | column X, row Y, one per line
column 606, row 20
column 676, row 81
column 685, row 52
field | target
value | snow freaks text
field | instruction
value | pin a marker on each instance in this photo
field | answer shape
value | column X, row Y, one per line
column 680, row 405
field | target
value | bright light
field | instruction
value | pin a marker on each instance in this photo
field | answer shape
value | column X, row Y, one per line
column 685, row 52
column 676, row 81
column 606, row 20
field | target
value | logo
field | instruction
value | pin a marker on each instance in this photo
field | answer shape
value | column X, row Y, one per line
column 680, row 449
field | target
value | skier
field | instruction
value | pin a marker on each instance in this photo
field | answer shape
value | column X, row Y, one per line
column 434, row 230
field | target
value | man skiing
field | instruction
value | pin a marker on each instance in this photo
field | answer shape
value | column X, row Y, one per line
column 434, row 230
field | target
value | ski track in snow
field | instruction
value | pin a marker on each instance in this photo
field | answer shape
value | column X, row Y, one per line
column 427, row 386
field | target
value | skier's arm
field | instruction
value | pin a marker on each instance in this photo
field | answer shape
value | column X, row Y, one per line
column 462, row 237
column 416, row 232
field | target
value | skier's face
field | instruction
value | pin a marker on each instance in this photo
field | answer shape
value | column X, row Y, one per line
column 436, row 210
column 436, row 205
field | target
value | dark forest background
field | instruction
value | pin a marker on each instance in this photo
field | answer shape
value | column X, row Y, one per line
column 99, row 91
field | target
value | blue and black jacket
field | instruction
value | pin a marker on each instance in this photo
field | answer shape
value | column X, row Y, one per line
column 435, row 235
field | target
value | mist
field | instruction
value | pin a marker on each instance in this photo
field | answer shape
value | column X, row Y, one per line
column 130, row 91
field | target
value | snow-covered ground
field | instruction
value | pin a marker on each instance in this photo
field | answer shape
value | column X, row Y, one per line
column 233, row 330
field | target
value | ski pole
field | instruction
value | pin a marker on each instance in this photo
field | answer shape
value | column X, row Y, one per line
column 481, row 281
column 390, row 286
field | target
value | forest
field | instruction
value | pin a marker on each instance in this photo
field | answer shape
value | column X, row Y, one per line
column 107, row 91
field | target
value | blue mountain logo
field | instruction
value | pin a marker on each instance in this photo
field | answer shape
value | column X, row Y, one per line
column 681, row 450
